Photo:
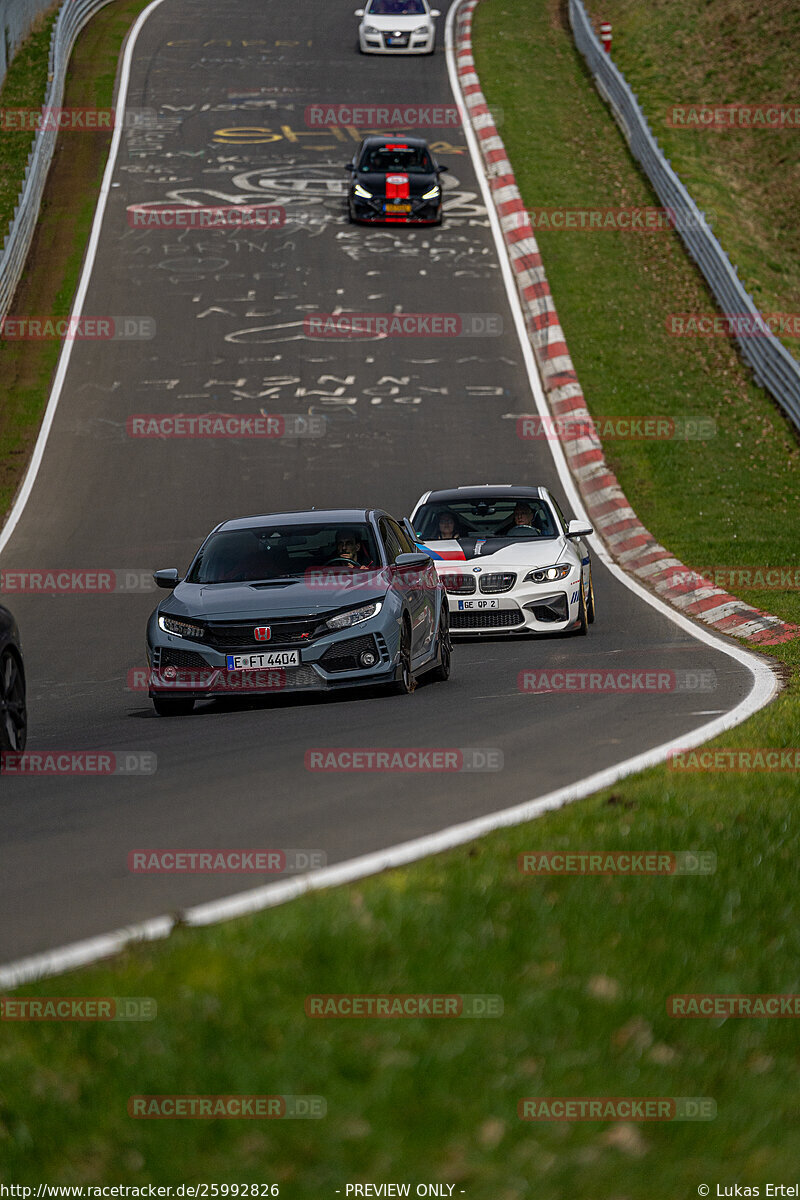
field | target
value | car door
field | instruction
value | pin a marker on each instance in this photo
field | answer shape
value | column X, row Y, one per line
column 579, row 548
column 418, row 591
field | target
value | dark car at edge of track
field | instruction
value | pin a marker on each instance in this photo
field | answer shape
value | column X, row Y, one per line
column 395, row 180
column 13, row 713
column 298, row 601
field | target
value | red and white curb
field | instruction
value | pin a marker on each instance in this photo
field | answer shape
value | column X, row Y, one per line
column 609, row 510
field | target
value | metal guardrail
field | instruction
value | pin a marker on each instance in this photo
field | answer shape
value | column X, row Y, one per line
column 773, row 366
column 74, row 14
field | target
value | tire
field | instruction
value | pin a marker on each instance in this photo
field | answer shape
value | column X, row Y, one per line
column 441, row 674
column 405, row 685
column 179, row 706
column 583, row 621
column 590, row 609
column 13, row 713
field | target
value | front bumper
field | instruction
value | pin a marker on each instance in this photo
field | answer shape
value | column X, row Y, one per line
column 180, row 667
column 427, row 212
column 529, row 608
column 375, row 43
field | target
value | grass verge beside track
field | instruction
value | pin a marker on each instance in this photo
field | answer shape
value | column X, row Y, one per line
column 53, row 267
column 733, row 500
column 584, row 966
column 686, row 54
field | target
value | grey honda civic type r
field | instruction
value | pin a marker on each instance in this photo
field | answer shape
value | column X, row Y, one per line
column 298, row 601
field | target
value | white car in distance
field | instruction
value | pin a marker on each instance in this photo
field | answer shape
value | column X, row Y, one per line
column 397, row 27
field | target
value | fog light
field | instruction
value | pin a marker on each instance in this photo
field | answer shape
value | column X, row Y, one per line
column 170, row 672
column 368, row 659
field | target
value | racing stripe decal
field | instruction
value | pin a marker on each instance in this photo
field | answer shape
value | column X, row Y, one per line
column 398, row 187
column 443, row 555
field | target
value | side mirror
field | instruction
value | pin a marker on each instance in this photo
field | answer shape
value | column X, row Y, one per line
column 359, row 12
column 579, row 529
column 440, row 169
column 167, row 579
column 435, row 12
column 416, row 560
column 349, row 166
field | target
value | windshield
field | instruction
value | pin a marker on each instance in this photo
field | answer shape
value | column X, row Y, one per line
column 505, row 516
column 396, row 8
column 413, row 160
column 282, row 551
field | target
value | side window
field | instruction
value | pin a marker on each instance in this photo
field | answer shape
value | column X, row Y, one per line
column 393, row 547
column 406, row 546
column 561, row 516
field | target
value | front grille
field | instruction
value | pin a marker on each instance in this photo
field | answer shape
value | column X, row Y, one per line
column 498, row 582
column 500, row 618
column 459, row 585
column 238, row 635
column 399, row 42
column 185, row 659
column 343, row 656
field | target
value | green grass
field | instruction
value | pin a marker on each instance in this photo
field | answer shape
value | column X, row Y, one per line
column 679, row 52
column 733, row 500
column 24, row 86
column 584, row 966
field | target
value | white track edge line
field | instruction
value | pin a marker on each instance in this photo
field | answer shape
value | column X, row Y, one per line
column 765, row 686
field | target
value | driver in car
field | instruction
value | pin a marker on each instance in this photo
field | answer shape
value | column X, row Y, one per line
column 347, row 550
column 523, row 515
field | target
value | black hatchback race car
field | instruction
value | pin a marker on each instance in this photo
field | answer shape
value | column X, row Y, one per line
column 395, row 179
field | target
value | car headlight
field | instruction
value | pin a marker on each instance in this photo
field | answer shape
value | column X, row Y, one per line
column 548, row 574
column 371, row 31
column 354, row 616
column 432, row 194
column 181, row 628
column 421, row 29
column 362, row 192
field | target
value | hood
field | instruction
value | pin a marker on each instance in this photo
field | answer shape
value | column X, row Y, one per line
column 389, row 24
column 497, row 552
column 396, row 185
column 310, row 595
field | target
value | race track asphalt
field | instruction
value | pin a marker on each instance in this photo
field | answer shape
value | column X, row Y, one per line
column 402, row 415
